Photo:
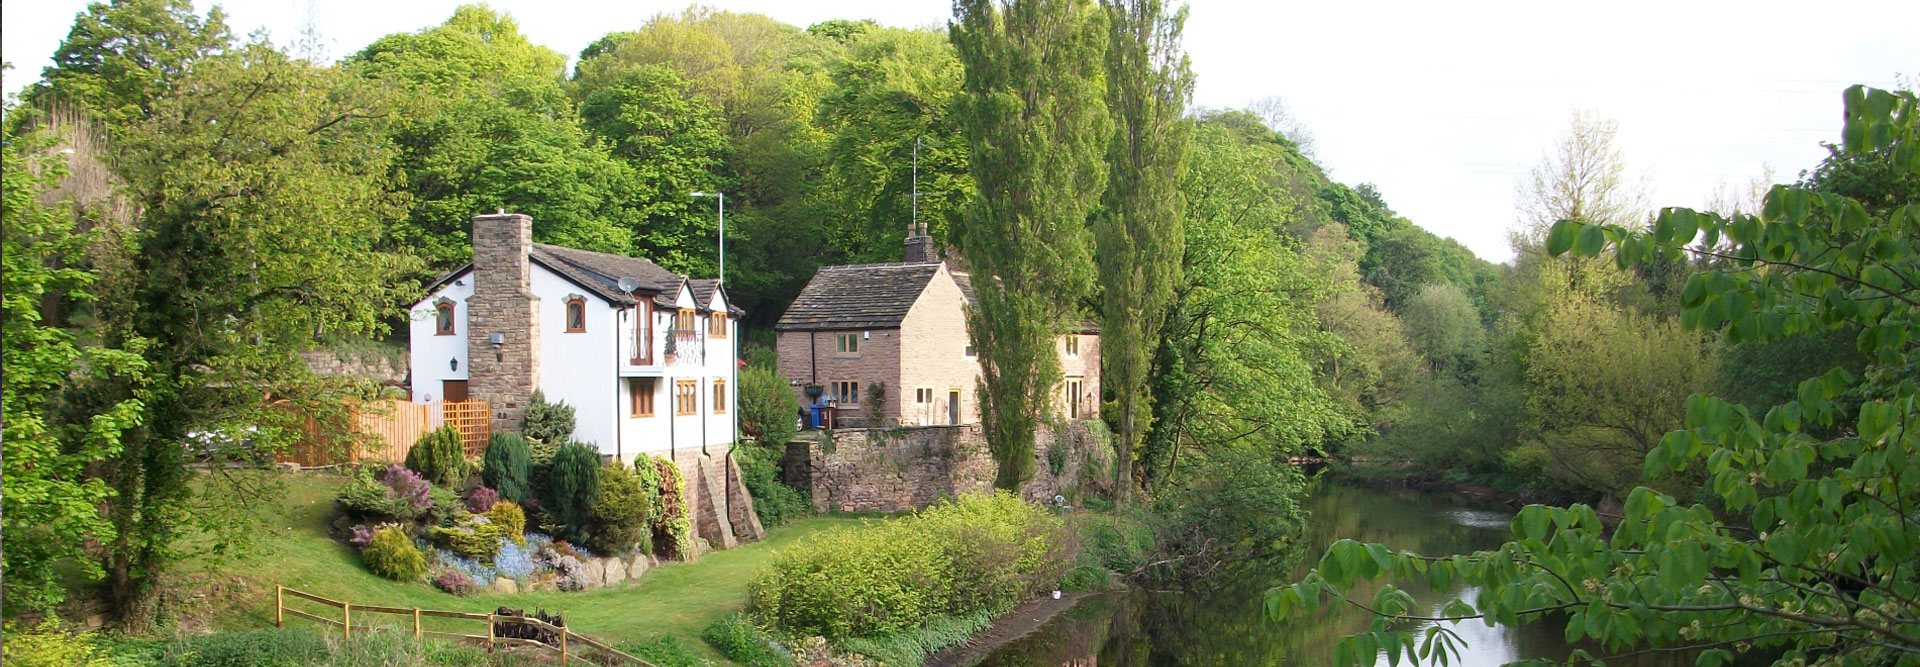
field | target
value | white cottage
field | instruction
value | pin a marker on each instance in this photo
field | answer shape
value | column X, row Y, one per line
column 646, row 357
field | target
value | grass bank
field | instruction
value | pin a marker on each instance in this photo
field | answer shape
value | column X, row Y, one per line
column 676, row 600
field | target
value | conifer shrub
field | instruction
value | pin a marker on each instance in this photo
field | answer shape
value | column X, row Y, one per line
column 573, row 484
column 440, row 457
column 622, row 513
column 391, row 554
column 547, row 422
column 511, row 519
column 506, row 465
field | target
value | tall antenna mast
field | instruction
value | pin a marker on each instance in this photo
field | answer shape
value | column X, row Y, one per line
column 916, row 182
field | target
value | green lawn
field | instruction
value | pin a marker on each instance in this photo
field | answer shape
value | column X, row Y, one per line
column 678, row 599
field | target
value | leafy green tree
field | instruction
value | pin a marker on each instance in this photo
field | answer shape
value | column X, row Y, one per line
column 122, row 55
column 50, row 505
column 484, row 123
column 894, row 92
column 1138, row 230
column 1036, row 130
column 1809, row 558
column 674, row 142
column 768, row 407
column 229, row 274
column 1233, row 366
column 1446, row 328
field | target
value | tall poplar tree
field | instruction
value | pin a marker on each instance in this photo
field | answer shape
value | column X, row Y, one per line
column 1035, row 120
column 1139, row 229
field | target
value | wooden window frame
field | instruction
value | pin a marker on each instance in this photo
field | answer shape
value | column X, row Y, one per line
column 443, row 312
column 683, row 320
column 643, row 332
column 640, row 397
column 576, row 304
column 1074, row 386
column 844, row 388
column 1073, row 345
column 717, row 325
column 719, row 392
column 847, row 344
column 686, row 398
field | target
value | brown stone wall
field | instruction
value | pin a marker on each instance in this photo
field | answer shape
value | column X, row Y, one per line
column 933, row 341
column 889, row 470
column 877, row 361
column 503, row 302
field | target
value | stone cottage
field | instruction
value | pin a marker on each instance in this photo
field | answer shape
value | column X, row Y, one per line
column 887, row 344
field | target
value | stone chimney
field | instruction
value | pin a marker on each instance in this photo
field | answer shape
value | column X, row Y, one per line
column 503, row 308
column 919, row 246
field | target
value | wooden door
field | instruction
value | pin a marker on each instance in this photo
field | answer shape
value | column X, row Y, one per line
column 453, row 391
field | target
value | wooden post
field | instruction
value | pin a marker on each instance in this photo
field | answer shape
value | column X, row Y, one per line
column 416, row 622
column 279, row 606
column 563, row 646
column 490, row 638
column 346, row 619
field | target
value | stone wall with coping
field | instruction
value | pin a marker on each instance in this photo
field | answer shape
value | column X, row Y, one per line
column 891, row 470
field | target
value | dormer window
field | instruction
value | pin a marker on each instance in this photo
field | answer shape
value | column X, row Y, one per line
column 576, row 315
column 717, row 325
column 443, row 318
column 683, row 321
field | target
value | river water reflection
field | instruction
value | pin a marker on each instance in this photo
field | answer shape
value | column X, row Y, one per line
column 1226, row 626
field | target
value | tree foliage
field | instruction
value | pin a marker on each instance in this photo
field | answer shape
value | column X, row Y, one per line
column 123, row 55
column 1810, row 554
column 1138, row 230
column 1036, row 130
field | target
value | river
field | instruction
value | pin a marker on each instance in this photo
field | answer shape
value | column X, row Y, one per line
column 1226, row 626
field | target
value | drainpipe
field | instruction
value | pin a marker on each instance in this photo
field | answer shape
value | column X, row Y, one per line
column 619, row 420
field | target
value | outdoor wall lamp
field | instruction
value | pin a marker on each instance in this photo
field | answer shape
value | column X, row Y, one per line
column 454, row 363
column 498, row 340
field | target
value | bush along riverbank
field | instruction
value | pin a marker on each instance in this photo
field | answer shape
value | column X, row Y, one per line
column 897, row 591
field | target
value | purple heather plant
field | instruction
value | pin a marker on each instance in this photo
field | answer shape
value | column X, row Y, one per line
column 455, row 582
column 409, row 486
column 482, row 499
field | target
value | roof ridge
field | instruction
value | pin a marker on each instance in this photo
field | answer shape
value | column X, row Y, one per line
column 877, row 265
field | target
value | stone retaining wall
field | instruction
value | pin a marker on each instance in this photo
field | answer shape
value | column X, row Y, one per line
column 890, row 470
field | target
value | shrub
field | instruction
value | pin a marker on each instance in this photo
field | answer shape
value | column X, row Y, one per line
column 476, row 536
column 672, row 529
column 368, row 498
column 391, row 554
column 481, row 499
column 506, row 465
column 736, row 637
column 547, row 422
column 272, row 647
column 622, row 512
column 455, row 582
column 572, row 486
column 49, row 645
column 981, row 552
column 440, row 457
column 445, row 506
column 767, row 406
column 511, row 520
column 1232, row 510
column 773, row 500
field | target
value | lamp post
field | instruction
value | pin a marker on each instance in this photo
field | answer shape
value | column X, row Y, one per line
column 722, row 197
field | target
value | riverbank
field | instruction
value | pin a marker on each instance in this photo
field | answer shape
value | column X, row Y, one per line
column 1016, row 624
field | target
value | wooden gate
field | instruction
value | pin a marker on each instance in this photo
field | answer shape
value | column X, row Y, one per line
column 474, row 420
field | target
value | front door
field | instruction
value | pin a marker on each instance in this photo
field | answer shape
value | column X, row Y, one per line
column 453, row 391
column 953, row 407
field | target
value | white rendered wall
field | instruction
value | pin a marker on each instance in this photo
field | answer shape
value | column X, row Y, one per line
column 578, row 368
column 428, row 354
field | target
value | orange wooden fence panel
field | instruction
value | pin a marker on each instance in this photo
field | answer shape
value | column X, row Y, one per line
column 390, row 427
column 474, row 420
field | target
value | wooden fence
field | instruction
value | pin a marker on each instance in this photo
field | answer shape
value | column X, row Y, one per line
column 569, row 644
column 390, row 427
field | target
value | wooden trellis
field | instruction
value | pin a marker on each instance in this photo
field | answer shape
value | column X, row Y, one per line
column 474, row 420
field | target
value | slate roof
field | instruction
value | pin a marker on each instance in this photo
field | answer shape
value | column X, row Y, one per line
column 857, row 296
column 600, row 273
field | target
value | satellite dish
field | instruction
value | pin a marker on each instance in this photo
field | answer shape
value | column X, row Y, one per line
column 628, row 285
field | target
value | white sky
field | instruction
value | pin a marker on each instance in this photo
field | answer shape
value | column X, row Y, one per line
column 1444, row 106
